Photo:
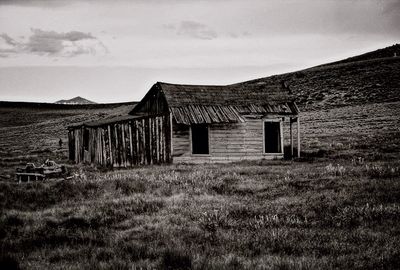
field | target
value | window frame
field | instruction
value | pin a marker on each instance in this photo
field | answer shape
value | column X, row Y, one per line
column 191, row 142
column 274, row 120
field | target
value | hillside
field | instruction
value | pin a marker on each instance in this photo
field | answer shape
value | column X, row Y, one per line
column 348, row 82
column 75, row 100
column 387, row 52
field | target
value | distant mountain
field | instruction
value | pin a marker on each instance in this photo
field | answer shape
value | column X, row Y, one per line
column 75, row 100
column 368, row 78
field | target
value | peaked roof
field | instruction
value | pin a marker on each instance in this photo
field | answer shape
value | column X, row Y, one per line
column 235, row 94
column 193, row 104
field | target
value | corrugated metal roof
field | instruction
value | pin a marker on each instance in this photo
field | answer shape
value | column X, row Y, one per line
column 198, row 114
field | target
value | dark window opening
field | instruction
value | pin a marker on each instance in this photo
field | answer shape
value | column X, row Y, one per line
column 272, row 137
column 200, row 139
column 86, row 139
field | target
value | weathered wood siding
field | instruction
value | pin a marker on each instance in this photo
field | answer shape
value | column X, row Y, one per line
column 145, row 140
column 153, row 103
column 228, row 142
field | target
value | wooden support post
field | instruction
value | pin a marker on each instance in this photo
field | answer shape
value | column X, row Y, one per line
column 291, row 137
column 171, row 142
column 110, row 145
column 298, row 137
column 130, row 143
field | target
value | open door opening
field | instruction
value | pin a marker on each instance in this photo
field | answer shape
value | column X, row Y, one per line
column 272, row 137
column 200, row 145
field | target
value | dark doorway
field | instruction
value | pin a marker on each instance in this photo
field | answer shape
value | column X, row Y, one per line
column 200, row 139
column 272, row 137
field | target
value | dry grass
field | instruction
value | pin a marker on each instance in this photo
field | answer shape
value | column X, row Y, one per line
column 244, row 216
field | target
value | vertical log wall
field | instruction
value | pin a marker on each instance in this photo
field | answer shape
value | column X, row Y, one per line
column 145, row 140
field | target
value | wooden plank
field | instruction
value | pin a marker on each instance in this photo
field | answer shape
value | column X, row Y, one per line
column 130, row 144
column 143, row 149
column 136, row 142
column 291, row 137
column 100, row 151
column 110, row 145
column 152, row 140
column 162, row 139
column 170, row 126
column 92, row 145
column 147, row 142
column 76, row 146
column 123, row 148
column 95, row 159
column 106, row 147
column 101, row 135
column 117, row 158
column 158, row 139
column 81, row 150
column 298, row 137
column 77, row 149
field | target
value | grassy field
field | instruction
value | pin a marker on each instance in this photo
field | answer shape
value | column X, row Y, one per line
column 337, row 207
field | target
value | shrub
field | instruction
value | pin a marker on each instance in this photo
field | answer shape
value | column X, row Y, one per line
column 337, row 170
column 356, row 161
column 130, row 186
column 381, row 171
column 275, row 220
column 366, row 214
column 211, row 220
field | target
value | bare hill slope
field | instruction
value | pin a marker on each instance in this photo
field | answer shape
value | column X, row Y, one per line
column 387, row 52
column 343, row 83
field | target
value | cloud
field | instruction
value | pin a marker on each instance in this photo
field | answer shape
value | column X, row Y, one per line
column 192, row 29
column 239, row 35
column 34, row 3
column 51, row 43
column 392, row 6
column 197, row 30
column 7, row 45
column 8, row 40
column 392, row 10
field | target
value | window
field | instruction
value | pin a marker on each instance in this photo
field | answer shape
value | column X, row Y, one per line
column 86, row 139
column 200, row 139
column 272, row 137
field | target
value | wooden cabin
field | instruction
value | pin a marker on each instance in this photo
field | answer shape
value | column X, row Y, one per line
column 193, row 124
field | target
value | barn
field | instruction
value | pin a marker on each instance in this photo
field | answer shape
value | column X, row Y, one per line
column 194, row 124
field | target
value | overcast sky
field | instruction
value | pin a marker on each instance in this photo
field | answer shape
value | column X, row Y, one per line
column 113, row 51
